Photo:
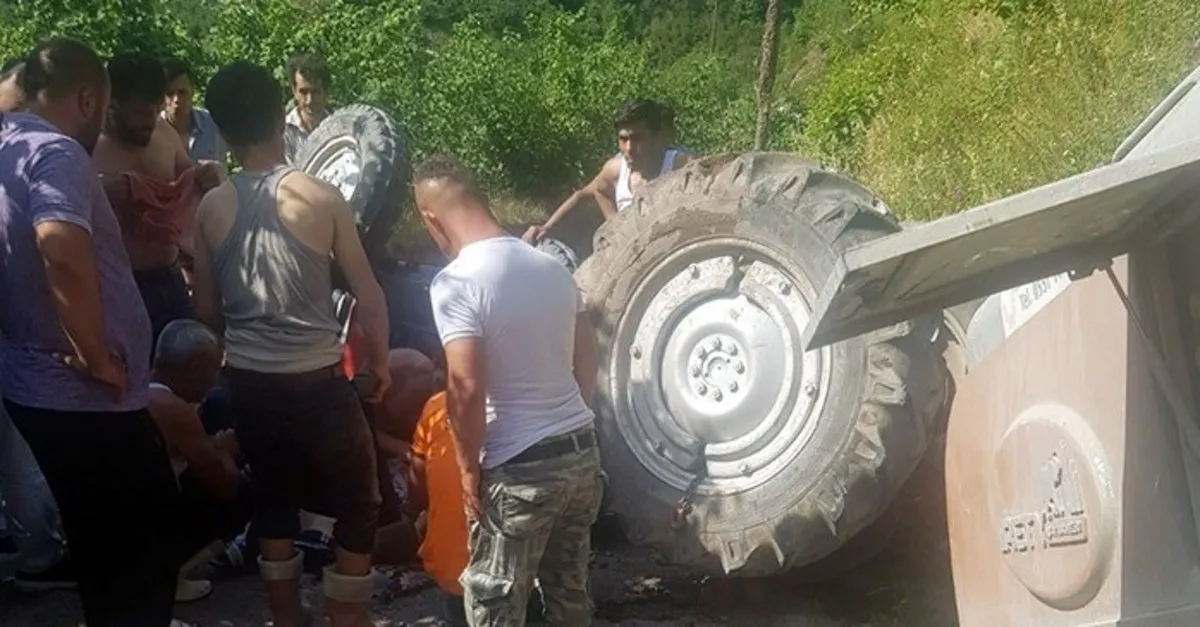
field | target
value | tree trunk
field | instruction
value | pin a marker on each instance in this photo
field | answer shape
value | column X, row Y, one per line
column 766, row 74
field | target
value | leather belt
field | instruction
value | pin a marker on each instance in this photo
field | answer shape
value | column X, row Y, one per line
column 565, row 445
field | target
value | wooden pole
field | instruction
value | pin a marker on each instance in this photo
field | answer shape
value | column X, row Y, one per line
column 766, row 74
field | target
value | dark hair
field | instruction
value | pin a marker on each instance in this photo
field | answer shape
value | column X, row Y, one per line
column 310, row 66
column 136, row 76
column 445, row 166
column 174, row 67
column 246, row 103
column 58, row 66
column 654, row 115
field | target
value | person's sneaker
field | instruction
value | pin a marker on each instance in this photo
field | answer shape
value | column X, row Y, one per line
column 188, row 590
column 61, row 576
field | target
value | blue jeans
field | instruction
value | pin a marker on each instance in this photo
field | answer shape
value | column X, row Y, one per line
column 29, row 510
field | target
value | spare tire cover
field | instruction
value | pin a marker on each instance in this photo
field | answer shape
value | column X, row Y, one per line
column 360, row 150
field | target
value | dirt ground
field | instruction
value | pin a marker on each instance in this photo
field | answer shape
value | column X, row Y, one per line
column 907, row 584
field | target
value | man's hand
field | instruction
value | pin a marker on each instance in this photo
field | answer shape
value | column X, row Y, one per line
column 226, row 442
column 110, row 372
column 209, row 174
column 381, row 378
column 534, row 233
column 471, row 500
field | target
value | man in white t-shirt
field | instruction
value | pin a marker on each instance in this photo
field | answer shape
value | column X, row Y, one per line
column 520, row 365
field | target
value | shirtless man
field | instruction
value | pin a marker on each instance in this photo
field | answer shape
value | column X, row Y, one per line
column 140, row 155
column 645, row 132
column 265, row 240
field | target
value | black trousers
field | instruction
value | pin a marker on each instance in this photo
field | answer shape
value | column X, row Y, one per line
column 206, row 517
column 165, row 295
column 118, row 500
column 307, row 441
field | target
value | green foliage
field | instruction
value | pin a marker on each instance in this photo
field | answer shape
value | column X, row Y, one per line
column 937, row 104
column 940, row 105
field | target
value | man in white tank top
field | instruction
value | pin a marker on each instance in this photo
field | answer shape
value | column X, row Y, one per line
column 520, row 363
column 645, row 131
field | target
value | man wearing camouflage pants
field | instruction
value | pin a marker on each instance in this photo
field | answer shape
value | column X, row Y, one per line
column 520, row 364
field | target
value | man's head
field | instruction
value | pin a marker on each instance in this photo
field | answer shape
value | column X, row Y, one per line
column 310, row 81
column 188, row 359
column 139, row 86
column 645, row 129
column 414, row 382
column 12, row 97
column 181, row 88
column 64, row 82
column 247, row 105
column 450, row 202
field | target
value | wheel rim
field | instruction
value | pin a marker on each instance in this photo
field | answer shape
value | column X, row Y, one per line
column 338, row 163
column 710, row 370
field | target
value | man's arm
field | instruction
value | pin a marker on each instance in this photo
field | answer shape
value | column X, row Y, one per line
column 604, row 187
column 371, row 306
column 584, row 362
column 458, row 313
column 601, row 188
column 206, row 298
column 61, row 194
column 466, row 403
column 182, row 429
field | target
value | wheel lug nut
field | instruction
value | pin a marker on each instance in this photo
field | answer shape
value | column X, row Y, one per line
column 637, row 352
column 716, row 395
column 694, row 371
column 785, row 288
column 733, row 387
column 810, row 389
column 732, row 350
column 739, row 367
column 715, row 343
column 702, row 389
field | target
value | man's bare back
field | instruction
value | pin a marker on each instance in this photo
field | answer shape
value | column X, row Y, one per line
column 305, row 208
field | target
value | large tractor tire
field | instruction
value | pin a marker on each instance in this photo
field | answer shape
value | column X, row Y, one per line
column 728, row 447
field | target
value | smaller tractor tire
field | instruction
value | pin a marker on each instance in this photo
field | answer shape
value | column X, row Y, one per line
column 729, row 448
column 361, row 151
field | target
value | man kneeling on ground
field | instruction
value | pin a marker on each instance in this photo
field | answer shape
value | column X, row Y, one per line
column 215, row 496
column 265, row 241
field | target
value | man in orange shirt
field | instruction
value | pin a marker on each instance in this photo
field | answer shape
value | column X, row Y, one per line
column 435, row 489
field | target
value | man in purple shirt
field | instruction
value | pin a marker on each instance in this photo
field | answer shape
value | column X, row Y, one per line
column 72, row 372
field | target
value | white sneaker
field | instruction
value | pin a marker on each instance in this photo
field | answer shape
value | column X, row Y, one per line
column 188, row 590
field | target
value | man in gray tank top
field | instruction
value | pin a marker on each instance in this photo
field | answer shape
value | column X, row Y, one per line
column 264, row 243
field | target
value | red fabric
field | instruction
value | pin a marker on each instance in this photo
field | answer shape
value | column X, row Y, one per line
column 161, row 211
column 355, row 359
